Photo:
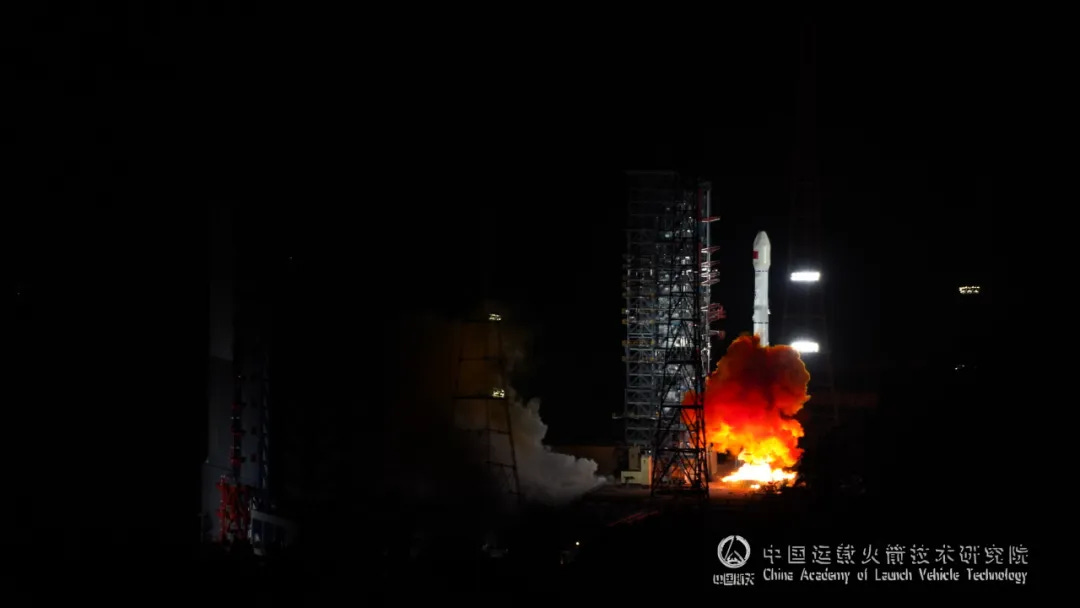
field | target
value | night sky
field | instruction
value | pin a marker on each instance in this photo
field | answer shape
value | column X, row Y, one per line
column 906, row 172
column 390, row 177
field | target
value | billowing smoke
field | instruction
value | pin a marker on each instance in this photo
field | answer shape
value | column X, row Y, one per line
column 544, row 476
column 751, row 400
column 445, row 427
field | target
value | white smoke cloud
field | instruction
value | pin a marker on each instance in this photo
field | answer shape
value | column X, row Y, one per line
column 544, row 476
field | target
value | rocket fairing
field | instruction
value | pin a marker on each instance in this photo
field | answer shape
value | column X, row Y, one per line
column 762, row 261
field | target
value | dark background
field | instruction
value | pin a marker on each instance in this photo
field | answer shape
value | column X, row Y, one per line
column 386, row 171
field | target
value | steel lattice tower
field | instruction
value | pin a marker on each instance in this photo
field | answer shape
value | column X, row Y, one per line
column 667, row 283
column 480, row 400
column 238, row 501
column 805, row 314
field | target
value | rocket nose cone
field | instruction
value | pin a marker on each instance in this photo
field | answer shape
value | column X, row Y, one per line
column 762, row 252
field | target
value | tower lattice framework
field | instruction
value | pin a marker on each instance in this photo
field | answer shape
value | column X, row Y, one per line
column 481, row 405
column 667, row 285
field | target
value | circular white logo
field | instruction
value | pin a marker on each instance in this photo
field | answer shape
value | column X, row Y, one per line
column 733, row 552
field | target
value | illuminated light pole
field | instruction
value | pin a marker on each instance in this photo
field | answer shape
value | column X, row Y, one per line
column 804, row 313
column 806, row 346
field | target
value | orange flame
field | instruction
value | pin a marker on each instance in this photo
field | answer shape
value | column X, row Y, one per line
column 750, row 401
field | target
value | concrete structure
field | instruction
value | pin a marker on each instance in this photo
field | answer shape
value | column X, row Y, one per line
column 269, row 532
column 639, row 470
column 480, row 400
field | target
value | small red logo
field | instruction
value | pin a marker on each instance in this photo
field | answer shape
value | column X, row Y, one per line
column 755, row 255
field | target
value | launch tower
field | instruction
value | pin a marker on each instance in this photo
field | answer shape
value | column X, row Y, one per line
column 481, row 404
column 668, row 276
column 237, row 504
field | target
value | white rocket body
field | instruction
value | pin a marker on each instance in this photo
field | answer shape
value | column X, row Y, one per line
column 762, row 261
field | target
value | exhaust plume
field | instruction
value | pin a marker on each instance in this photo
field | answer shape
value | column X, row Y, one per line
column 750, row 403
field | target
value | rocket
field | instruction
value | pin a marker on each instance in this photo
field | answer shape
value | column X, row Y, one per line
column 762, row 261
